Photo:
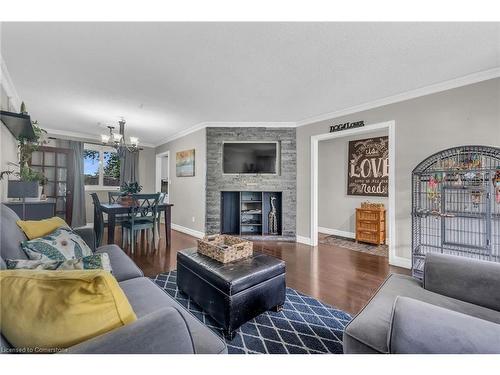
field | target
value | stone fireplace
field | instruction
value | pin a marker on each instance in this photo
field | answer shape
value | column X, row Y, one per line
column 284, row 182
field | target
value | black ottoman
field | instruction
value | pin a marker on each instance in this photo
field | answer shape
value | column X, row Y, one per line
column 232, row 293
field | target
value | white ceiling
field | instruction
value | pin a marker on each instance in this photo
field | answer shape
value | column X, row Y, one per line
column 166, row 77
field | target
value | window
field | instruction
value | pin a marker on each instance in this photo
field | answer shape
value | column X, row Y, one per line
column 101, row 167
column 91, row 167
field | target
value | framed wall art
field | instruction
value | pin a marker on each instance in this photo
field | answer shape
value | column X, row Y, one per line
column 368, row 167
column 184, row 163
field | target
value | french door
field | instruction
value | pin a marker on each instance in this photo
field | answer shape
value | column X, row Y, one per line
column 56, row 164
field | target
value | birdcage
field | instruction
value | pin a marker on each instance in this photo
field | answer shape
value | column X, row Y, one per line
column 456, row 205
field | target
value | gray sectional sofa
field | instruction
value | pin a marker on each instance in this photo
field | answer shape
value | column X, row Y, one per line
column 163, row 325
column 456, row 309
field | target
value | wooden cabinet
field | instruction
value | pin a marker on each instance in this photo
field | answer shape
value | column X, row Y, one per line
column 370, row 225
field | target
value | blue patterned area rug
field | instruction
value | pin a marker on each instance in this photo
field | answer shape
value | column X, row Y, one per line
column 304, row 326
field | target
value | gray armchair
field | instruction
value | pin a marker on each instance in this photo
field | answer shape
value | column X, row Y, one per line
column 419, row 327
column 456, row 309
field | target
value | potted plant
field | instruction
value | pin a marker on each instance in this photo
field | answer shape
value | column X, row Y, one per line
column 29, row 180
column 29, row 184
column 127, row 189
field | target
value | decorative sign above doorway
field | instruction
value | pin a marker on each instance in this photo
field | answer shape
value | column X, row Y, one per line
column 368, row 168
column 346, row 125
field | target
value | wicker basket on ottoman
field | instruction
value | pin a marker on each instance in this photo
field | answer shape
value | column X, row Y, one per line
column 224, row 248
column 232, row 293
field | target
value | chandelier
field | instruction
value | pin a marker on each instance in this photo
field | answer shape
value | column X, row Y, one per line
column 117, row 140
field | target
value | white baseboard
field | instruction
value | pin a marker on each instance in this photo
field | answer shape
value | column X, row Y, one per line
column 400, row 262
column 304, row 240
column 395, row 261
column 341, row 233
column 336, row 232
column 191, row 232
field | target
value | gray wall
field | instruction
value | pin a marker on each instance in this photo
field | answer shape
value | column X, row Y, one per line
column 425, row 125
column 187, row 193
column 336, row 209
column 217, row 181
column 147, row 160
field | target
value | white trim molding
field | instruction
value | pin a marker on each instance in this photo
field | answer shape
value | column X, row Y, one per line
column 71, row 134
column 191, row 232
column 101, row 188
column 336, row 232
column 400, row 262
column 158, row 170
column 304, row 240
column 182, row 133
column 390, row 126
column 340, row 233
column 412, row 94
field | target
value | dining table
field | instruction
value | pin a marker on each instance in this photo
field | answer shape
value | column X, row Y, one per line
column 118, row 208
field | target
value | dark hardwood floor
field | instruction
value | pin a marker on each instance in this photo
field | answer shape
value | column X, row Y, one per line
column 340, row 277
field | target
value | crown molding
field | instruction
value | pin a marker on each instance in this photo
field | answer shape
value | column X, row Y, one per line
column 182, row 133
column 412, row 94
column 249, row 124
column 426, row 90
column 70, row 135
column 8, row 85
column 225, row 124
column 407, row 95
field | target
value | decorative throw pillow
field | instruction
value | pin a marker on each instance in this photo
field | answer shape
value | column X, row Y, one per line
column 52, row 310
column 39, row 228
column 61, row 244
column 91, row 262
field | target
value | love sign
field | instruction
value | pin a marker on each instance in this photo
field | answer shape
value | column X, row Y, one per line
column 368, row 169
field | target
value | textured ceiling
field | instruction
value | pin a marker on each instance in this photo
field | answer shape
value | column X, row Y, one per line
column 166, row 77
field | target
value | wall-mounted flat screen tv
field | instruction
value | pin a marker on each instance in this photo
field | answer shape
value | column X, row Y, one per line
column 250, row 157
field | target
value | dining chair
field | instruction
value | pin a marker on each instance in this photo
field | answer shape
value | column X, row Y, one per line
column 161, row 200
column 98, row 219
column 114, row 197
column 143, row 216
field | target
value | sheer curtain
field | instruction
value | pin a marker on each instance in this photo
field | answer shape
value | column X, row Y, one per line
column 129, row 167
column 79, row 215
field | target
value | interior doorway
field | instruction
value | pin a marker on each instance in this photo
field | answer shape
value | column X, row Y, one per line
column 162, row 174
column 353, row 192
column 368, row 130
